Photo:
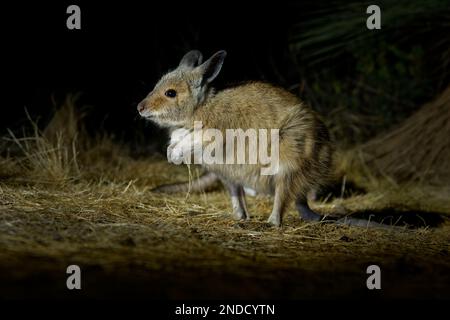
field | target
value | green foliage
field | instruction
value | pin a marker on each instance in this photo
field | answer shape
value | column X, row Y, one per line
column 365, row 81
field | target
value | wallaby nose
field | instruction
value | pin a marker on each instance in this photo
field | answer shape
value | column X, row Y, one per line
column 141, row 106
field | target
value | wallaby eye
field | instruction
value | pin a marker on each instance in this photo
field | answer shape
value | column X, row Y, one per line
column 171, row 93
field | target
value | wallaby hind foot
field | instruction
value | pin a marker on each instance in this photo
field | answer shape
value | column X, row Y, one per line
column 309, row 215
column 305, row 211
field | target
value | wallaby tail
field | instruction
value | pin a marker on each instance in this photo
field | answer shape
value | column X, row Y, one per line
column 348, row 221
column 206, row 182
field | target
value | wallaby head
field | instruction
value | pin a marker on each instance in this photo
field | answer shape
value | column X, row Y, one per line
column 178, row 93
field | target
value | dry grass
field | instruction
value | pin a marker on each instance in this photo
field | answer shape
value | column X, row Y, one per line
column 419, row 148
column 90, row 203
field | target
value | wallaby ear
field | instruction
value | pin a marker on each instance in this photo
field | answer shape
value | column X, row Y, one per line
column 191, row 59
column 211, row 68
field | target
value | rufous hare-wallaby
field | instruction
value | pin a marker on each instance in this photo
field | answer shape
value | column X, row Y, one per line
column 184, row 97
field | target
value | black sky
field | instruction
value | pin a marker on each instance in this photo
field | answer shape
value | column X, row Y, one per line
column 124, row 47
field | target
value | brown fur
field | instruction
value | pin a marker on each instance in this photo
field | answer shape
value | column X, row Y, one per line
column 305, row 147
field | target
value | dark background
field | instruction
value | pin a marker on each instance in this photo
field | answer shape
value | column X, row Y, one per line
column 362, row 82
column 123, row 48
